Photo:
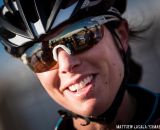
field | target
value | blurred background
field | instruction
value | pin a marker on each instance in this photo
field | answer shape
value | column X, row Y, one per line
column 24, row 105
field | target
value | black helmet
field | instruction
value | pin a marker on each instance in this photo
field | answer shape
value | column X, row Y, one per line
column 24, row 21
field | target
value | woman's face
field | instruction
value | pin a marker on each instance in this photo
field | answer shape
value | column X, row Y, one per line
column 88, row 82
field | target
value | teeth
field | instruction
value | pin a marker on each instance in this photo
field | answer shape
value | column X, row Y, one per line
column 73, row 88
column 81, row 84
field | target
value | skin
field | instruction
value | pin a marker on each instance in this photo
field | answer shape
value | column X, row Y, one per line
column 104, row 63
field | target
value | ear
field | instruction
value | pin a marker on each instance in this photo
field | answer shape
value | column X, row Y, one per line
column 123, row 33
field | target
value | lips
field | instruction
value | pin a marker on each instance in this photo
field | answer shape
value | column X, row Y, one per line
column 81, row 89
column 78, row 86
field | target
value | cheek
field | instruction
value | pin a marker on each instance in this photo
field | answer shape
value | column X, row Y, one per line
column 115, row 66
column 49, row 79
column 113, row 58
column 111, row 64
column 50, row 82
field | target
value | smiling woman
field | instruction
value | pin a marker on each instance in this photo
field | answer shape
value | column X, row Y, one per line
column 80, row 60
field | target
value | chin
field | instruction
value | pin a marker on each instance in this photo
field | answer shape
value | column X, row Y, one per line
column 89, row 108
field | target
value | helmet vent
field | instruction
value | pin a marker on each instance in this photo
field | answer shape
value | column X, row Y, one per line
column 15, row 20
column 68, row 3
column 11, row 5
column 29, row 10
column 6, row 34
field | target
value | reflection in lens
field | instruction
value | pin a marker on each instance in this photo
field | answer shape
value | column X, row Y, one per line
column 40, row 58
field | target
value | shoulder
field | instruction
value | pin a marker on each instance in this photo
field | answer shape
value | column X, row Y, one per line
column 148, row 110
column 157, row 111
column 64, row 124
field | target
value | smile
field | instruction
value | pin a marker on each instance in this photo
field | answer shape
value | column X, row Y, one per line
column 83, row 83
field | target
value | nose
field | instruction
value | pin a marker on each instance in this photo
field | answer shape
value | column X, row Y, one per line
column 67, row 62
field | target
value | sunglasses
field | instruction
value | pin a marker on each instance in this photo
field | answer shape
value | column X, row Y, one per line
column 74, row 39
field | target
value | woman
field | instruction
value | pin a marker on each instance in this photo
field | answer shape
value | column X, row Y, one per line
column 78, row 50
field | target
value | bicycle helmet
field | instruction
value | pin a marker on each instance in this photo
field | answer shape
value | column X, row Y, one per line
column 25, row 21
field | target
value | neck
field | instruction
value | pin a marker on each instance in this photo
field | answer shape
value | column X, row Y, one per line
column 127, row 109
column 125, row 113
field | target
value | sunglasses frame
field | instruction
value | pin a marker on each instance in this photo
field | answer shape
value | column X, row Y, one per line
column 78, row 27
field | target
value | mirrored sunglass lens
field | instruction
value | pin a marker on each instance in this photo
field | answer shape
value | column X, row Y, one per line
column 81, row 38
column 39, row 58
column 86, row 38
